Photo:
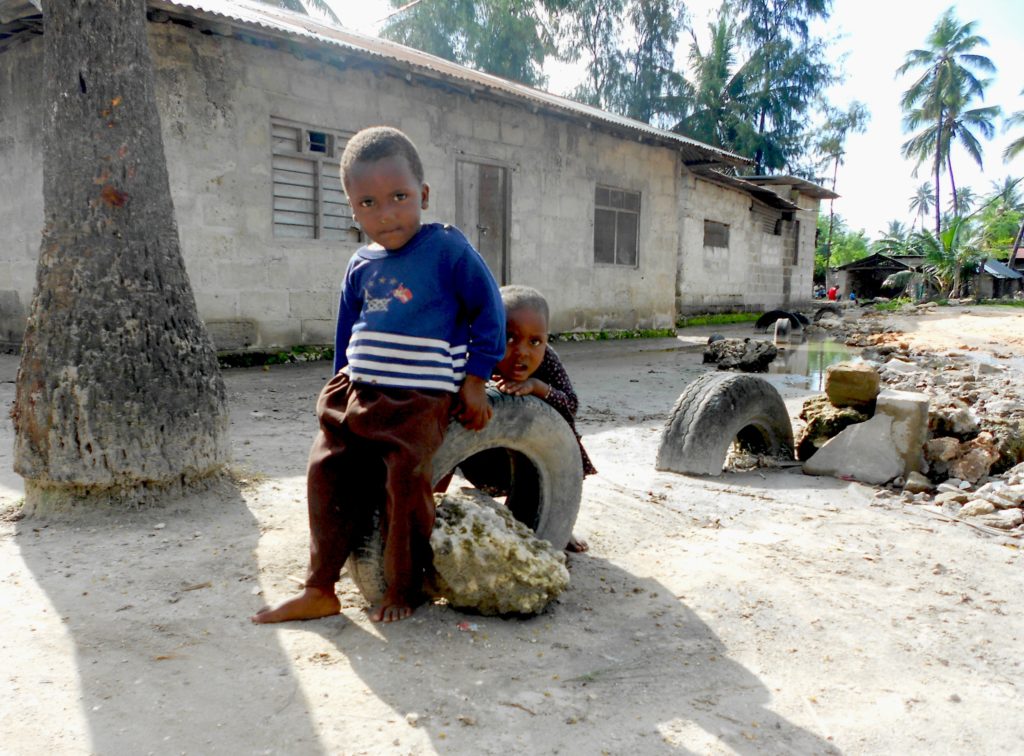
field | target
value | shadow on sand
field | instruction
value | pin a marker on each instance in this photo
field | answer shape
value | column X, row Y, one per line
column 151, row 601
column 666, row 687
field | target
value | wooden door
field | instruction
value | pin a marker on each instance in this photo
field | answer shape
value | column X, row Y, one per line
column 482, row 209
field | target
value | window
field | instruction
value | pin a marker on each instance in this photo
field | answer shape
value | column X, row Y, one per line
column 616, row 226
column 716, row 234
column 308, row 200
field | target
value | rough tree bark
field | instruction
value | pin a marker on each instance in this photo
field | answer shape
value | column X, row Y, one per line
column 119, row 398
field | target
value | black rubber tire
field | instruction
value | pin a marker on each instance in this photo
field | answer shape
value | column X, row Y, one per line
column 547, row 477
column 763, row 322
column 828, row 309
column 716, row 409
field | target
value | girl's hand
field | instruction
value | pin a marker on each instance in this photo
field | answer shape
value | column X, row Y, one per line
column 529, row 387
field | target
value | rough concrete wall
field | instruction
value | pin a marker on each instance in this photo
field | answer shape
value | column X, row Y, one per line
column 216, row 98
column 21, row 185
column 254, row 290
column 748, row 275
column 754, row 273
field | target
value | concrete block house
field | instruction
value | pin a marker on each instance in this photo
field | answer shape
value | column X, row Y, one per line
column 622, row 225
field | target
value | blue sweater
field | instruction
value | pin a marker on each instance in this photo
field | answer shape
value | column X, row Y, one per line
column 420, row 317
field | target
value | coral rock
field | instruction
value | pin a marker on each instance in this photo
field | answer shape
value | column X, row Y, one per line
column 487, row 561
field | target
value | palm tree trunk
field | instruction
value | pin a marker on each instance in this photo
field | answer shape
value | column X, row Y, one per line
column 119, row 399
column 938, row 174
column 831, row 220
column 952, row 182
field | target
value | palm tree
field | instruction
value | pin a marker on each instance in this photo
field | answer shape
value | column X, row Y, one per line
column 894, row 240
column 716, row 93
column 831, row 145
column 963, row 201
column 1014, row 148
column 921, row 202
column 950, row 254
column 938, row 97
column 1008, row 192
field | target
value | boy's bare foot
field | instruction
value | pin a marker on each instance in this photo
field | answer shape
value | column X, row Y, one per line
column 312, row 603
column 577, row 545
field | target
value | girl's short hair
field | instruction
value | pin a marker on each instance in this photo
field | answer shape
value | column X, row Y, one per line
column 516, row 297
column 377, row 143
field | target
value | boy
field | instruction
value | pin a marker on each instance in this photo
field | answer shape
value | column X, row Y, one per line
column 420, row 322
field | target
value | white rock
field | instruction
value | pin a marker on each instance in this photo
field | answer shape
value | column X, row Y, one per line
column 488, row 561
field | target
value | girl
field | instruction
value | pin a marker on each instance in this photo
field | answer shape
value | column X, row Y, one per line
column 529, row 368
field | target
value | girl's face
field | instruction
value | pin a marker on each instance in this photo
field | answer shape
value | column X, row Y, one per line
column 386, row 199
column 526, row 331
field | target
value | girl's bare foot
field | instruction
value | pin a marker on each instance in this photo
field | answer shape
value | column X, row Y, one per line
column 392, row 607
column 577, row 545
column 312, row 603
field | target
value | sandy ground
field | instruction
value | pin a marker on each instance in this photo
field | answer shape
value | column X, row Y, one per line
column 755, row 613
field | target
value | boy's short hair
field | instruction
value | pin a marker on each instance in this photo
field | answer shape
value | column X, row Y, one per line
column 377, row 143
column 519, row 297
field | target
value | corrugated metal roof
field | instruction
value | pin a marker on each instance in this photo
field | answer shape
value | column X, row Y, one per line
column 296, row 25
column 766, row 196
column 807, row 187
column 996, row 269
column 280, row 22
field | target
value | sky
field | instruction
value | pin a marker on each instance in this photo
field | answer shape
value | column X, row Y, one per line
column 872, row 39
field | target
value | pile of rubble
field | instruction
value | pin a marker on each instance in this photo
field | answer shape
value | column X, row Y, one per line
column 972, row 446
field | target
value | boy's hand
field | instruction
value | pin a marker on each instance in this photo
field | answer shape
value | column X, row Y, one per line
column 473, row 411
column 529, row 387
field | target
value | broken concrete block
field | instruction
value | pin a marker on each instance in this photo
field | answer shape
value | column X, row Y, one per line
column 917, row 483
column 909, row 413
column 852, row 384
column 863, row 452
column 976, row 458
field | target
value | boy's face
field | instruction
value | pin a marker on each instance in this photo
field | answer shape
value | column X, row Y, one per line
column 526, row 331
column 386, row 200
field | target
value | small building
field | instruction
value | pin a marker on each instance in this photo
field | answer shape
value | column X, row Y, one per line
column 621, row 224
column 996, row 280
column 864, row 277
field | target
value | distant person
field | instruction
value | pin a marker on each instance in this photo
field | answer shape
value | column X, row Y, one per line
column 420, row 329
column 833, row 293
column 853, row 297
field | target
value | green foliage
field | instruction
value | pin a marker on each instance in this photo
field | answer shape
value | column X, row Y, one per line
column 892, row 304
column 951, row 255
column 847, row 245
column 719, row 318
column 784, row 72
column 507, row 38
column 301, row 353
column 627, row 333
column 628, row 48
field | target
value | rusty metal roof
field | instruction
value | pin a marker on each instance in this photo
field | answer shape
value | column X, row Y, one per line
column 766, row 196
column 276, row 20
column 806, row 187
column 253, row 17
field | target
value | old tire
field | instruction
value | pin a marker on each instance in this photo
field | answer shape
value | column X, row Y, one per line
column 547, row 477
column 796, row 320
column 829, row 310
column 717, row 409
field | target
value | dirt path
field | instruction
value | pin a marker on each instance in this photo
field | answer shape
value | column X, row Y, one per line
column 765, row 612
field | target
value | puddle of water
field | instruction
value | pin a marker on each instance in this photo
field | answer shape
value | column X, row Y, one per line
column 811, row 359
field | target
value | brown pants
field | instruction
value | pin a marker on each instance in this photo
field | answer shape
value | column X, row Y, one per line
column 375, row 448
